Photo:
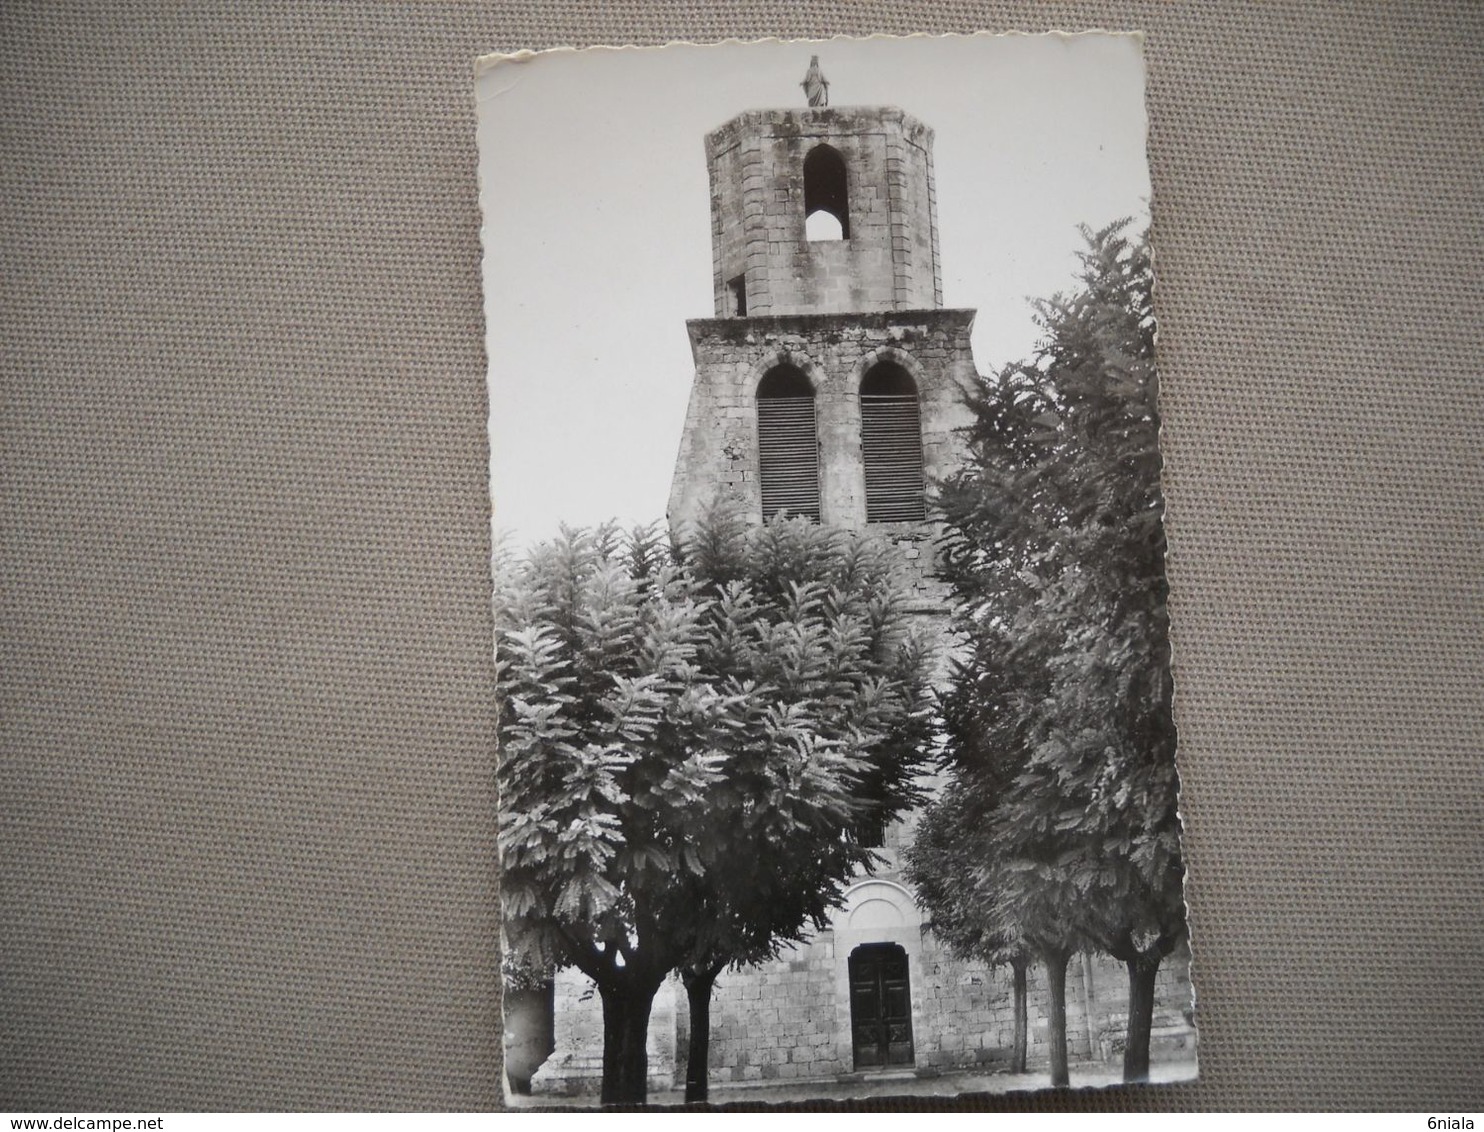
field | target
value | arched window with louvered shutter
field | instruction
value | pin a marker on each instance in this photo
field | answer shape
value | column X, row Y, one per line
column 891, row 446
column 787, row 444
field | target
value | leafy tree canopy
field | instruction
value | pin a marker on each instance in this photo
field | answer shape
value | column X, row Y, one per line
column 687, row 737
column 1060, row 739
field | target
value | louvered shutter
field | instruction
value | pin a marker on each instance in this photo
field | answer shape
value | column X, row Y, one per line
column 788, row 456
column 891, row 448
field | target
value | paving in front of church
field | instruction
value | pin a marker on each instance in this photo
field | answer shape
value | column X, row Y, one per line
column 855, row 1088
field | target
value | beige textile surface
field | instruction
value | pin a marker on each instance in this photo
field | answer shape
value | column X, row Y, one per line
column 247, row 796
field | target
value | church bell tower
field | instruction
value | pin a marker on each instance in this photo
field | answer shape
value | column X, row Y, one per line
column 828, row 383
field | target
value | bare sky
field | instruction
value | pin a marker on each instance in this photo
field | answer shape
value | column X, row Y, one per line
column 597, row 227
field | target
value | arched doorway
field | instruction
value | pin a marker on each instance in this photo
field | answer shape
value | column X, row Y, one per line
column 880, row 1006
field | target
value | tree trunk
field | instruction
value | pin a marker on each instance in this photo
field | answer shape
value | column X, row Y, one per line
column 1141, row 976
column 698, row 985
column 1056, row 1010
column 633, row 1055
column 1017, row 1052
column 626, row 1042
column 613, row 1015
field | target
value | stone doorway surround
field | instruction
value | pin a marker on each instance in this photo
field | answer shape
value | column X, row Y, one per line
column 875, row 911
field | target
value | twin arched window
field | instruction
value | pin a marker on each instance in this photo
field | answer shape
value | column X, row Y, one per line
column 891, row 445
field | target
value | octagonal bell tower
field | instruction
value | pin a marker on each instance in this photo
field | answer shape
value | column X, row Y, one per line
column 823, row 211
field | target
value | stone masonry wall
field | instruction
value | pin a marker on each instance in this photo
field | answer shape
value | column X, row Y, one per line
column 779, row 1023
column 971, row 1015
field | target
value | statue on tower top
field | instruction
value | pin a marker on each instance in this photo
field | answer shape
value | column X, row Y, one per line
column 816, row 86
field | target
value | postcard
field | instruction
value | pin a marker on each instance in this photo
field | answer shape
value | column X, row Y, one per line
column 836, row 757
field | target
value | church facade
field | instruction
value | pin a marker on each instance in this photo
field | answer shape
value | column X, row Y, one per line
column 828, row 383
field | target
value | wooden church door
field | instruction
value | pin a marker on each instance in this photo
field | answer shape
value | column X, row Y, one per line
column 880, row 1006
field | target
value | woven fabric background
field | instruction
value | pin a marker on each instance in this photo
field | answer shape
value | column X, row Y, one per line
column 247, row 790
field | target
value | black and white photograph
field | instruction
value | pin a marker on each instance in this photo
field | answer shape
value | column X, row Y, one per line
column 836, row 754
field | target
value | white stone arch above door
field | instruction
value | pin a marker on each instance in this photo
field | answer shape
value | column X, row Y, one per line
column 879, row 905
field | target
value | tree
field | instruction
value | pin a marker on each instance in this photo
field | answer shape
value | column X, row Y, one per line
column 685, row 741
column 944, row 868
column 1059, row 720
column 813, row 615
column 994, row 876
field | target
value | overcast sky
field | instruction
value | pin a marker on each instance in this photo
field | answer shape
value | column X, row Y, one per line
column 597, row 226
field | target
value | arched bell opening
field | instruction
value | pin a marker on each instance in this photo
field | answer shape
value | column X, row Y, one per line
column 826, row 195
column 891, row 446
column 787, row 444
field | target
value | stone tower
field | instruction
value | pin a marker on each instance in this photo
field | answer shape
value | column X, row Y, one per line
column 828, row 382
column 829, row 385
